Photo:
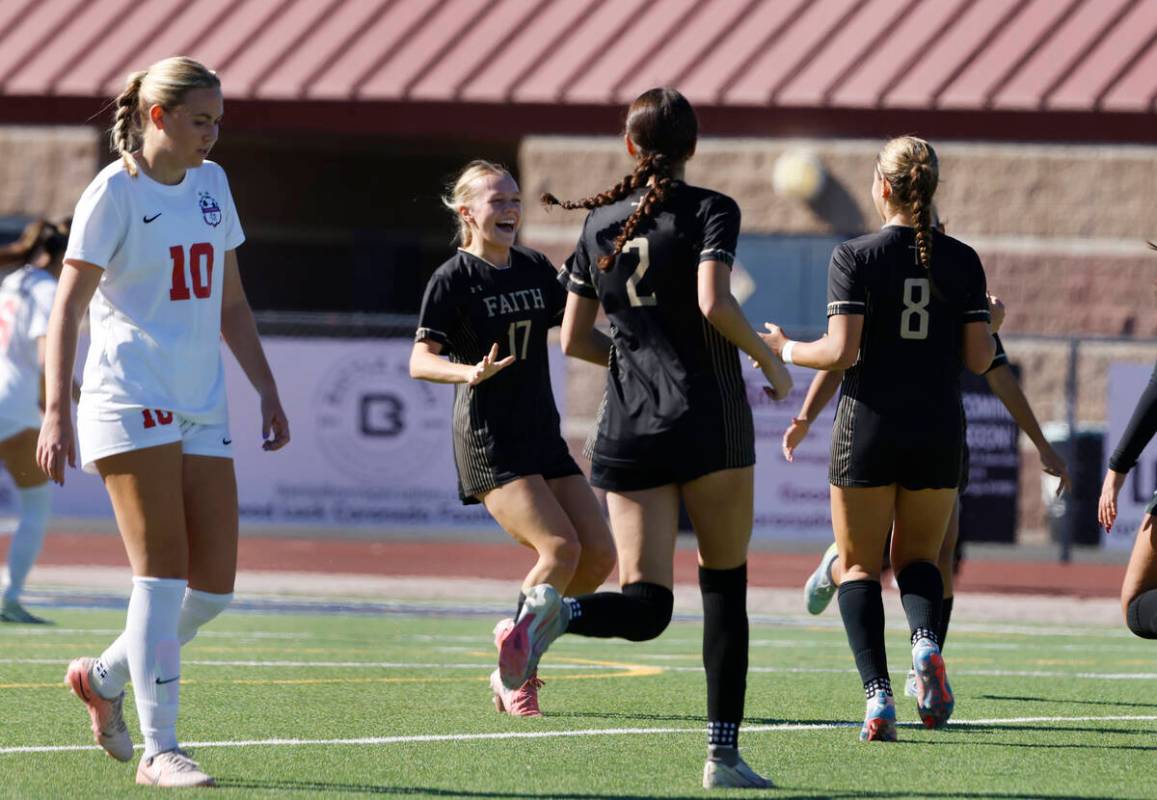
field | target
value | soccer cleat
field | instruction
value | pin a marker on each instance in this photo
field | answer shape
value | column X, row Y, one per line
column 520, row 702
column 879, row 719
column 543, row 619
column 14, row 612
column 910, row 684
column 820, row 588
column 934, row 700
column 502, row 629
column 108, row 722
column 717, row 775
column 172, row 769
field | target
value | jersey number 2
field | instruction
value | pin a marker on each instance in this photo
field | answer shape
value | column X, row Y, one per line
column 914, row 318
column 641, row 246
column 200, row 266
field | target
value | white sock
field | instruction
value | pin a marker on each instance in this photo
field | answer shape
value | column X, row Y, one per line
column 154, row 656
column 35, row 506
column 112, row 668
column 197, row 609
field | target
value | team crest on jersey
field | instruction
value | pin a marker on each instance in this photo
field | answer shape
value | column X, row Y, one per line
column 210, row 210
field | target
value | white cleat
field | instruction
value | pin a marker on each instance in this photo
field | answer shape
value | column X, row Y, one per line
column 820, row 588
column 172, row 769
column 107, row 716
column 717, row 775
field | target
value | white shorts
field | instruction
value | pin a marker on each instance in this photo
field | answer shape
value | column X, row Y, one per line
column 140, row 428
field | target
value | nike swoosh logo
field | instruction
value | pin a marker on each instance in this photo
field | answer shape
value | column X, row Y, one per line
column 226, row 441
column 153, row 217
column 170, row 680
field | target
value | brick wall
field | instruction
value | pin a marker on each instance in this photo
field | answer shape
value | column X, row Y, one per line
column 43, row 170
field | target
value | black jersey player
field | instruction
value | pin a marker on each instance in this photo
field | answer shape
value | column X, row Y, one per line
column 1139, row 589
column 488, row 308
column 655, row 255
column 907, row 312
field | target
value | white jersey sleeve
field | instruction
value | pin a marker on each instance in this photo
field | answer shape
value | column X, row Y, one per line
column 99, row 224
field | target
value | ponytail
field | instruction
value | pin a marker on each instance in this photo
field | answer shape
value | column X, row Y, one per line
column 126, row 129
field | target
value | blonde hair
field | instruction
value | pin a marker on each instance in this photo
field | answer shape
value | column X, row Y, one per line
column 911, row 168
column 461, row 192
column 165, row 84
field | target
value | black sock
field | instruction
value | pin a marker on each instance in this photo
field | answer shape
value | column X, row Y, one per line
column 1142, row 614
column 725, row 635
column 862, row 609
column 641, row 612
column 521, row 603
column 922, row 593
column 945, row 617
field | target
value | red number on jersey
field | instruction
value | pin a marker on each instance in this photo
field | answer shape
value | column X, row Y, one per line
column 201, row 267
column 161, row 418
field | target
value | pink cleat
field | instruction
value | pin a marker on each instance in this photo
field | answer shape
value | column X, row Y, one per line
column 108, row 722
column 544, row 617
column 172, row 769
column 521, row 702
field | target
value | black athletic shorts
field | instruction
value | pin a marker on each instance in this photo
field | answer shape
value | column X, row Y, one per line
column 677, row 462
column 503, row 465
column 870, row 449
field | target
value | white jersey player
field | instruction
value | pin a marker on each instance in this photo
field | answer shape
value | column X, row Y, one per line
column 152, row 258
column 25, row 302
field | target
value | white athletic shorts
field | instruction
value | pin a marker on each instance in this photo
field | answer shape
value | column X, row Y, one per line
column 140, row 428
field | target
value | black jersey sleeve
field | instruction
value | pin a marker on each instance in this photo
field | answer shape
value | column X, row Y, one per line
column 439, row 309
column 580, row 270
column 1142, row 425
column 974, row 307
column 555, row 291
column 1001, row 357
column 721, row 219
column 846, row 291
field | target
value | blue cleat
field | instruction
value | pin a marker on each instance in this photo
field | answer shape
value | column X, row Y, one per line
column 934, row 700
column 879, row 719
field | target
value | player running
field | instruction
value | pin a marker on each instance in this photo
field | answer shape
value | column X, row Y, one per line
column 1139, row 589
column 25, row 303
column 152, row 258
column 902, row 324
column 488, row 309
column 675, row 423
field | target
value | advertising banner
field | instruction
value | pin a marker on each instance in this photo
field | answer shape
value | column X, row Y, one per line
column 988, row 505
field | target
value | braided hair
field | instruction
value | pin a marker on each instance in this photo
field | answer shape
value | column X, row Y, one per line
column 912, row 169
column 165, row 84
column 664, row 129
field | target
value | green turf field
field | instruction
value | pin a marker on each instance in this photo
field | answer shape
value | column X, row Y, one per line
column 342, row 705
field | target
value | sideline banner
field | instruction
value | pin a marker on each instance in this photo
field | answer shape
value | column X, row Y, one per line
column 1126, row 382
column 791, row 500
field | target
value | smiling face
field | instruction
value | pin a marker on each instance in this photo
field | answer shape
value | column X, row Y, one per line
column 494, row 210
column 189, row 131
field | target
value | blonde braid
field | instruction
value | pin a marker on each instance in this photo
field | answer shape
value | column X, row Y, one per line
column 126, row 127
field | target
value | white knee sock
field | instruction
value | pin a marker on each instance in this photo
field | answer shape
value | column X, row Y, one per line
column 197, row 609
column 35, row 505
column 112, row 668
column 154, row 656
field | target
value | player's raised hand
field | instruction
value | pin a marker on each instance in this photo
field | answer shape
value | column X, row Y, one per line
column 489, row 366
column 1107, row 505
column 794, row 434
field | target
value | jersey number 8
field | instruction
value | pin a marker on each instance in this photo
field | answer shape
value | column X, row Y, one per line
column 914, row 318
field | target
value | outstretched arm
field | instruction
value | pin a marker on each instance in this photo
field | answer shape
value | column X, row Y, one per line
column 823, row 387
column 1004, row 385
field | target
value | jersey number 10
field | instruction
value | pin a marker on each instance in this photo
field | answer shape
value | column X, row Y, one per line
column 914, row 318
column 200, row 267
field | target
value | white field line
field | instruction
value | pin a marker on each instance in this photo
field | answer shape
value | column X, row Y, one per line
column 990, row 673
column 25, row 631
column 474, row 737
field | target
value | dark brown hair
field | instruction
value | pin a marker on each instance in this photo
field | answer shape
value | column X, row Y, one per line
column 911, row 168
column 664, row 129
column 37, row 235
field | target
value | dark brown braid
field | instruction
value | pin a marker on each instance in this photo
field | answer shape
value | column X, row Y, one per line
column 922, row 184
column 663, row 127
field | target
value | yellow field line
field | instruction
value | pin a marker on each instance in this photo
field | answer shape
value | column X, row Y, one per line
column 628, row 671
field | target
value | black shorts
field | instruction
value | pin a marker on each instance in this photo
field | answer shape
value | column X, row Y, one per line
column 870, row 449
column 503, row 465
column 677, row 465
